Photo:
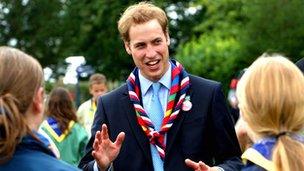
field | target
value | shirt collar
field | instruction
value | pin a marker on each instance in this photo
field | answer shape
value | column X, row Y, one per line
column 146, row 83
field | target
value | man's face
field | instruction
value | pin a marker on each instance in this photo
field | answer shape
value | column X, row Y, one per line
column 97, row 90
column 148, row 46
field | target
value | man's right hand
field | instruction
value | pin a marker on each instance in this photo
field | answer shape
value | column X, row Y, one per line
column 104, row 150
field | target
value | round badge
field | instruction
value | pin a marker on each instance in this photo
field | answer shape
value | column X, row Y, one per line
column 187, row 105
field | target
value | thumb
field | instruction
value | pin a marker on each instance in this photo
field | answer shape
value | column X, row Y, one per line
column 191, row 164
column 203, row 166
column 119, row 139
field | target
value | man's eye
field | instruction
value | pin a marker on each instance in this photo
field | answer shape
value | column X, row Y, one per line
column 139, row 46
column 158, row 41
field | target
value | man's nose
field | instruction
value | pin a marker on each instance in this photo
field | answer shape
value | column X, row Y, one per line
column 151, row 52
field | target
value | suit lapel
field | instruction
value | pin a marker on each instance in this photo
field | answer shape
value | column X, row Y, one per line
column 138, row 133
column 176, row 126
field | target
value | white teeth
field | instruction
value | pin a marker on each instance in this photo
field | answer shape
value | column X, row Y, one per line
column 152, row 62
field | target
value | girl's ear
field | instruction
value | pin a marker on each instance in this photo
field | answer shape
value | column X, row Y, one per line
column 38, row 101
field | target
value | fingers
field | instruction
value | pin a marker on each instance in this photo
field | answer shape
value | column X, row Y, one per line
column 119, row 139
column 191, row 164
column 98, row 136
column 97, row 140
column 203, row 166
column 104, row 132
column 197, row 166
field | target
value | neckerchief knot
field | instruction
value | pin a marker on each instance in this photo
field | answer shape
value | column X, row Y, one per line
column 180, row 84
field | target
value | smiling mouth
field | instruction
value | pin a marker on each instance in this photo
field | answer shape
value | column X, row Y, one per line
column 152, row 63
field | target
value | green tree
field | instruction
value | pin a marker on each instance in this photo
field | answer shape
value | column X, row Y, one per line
column 233, row 33
column 93, row 33
column 274, row 26
column 54, row 30
column 32, row 26
column 94, row 26
column 214, row 53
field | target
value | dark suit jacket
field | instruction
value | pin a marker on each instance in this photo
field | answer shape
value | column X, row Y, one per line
column 206, row 132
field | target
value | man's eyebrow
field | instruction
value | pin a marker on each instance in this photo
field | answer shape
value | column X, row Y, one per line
column 156, row 39
column 138, row 43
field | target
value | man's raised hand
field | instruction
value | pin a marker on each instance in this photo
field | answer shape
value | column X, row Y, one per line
column 104, row 150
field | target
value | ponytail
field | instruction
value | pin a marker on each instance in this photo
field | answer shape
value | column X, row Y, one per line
column 21, row 76
column 288, row 154
column 12, row 126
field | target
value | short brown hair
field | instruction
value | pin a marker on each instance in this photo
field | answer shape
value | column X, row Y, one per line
column 97, row 79
column 138, row 14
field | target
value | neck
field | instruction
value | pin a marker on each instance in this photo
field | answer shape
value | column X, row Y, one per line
column 94, row 100
column 33, row 121
column 32, row 125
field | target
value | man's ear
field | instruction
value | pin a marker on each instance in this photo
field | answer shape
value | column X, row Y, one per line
column 127, row 47
column 168, row 39
column 38, row 101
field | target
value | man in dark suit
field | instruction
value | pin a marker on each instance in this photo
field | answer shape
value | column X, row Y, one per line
column 194, row 123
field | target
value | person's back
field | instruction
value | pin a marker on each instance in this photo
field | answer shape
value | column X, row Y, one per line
column 21, row 113
column 62, row 126
column 33, row 155
column 271, row 100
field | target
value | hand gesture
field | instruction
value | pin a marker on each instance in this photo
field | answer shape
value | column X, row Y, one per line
column 200, row 166
column 104, row 150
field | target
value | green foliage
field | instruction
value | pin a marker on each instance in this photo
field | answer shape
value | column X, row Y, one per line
column 219, row 39
column 214, row 54
column 54, row 30
column 233, row 33
column 94, row 28
column 211, row 56
column 48, row 86
column 33, row 27
column 96, row 36
column 274, row 26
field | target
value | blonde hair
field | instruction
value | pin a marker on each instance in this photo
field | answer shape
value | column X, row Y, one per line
column 138, row 14
column 21, row 76
column 271, row 99
column 97, row 79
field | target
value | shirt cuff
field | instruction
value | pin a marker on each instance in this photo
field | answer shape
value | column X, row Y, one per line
column 219, row 168
column 95, row 167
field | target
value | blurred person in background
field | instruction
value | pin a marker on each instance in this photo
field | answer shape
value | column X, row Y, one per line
column 62, row 127
column 232, row 99
column 85, row 113
column 240, row 129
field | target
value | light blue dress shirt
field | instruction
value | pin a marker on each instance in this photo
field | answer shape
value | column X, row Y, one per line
column 147, row 92
column 147, row 96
